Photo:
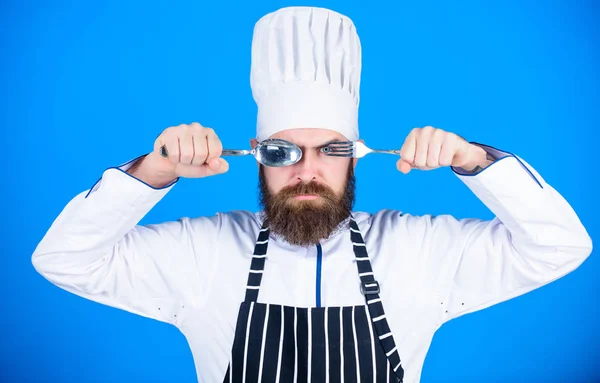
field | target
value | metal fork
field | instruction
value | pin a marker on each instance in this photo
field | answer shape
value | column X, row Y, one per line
column 354, row 149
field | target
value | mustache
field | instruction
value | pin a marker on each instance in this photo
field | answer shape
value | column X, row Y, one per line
column 311, row 187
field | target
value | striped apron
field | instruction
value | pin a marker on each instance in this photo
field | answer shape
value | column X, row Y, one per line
column 275, row 343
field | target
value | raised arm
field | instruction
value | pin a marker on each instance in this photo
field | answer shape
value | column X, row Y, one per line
column 469, row 264
column 96, row 249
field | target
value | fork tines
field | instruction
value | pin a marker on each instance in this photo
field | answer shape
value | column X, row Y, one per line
column 340, row 149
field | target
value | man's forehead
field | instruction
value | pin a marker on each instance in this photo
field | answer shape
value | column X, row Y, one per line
column 309, row 136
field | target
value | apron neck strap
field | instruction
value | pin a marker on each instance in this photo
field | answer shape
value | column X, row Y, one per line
column 368, row 285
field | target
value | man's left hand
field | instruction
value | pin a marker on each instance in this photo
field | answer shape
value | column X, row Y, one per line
column 430, row 148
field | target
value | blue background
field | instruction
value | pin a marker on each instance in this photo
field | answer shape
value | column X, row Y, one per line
column 88, row 85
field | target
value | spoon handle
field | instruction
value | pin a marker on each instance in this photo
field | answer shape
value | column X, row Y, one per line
column 233, row 152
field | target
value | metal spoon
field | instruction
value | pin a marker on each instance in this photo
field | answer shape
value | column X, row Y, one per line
column 270, row 152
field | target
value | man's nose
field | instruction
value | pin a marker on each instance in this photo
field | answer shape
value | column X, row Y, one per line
column 307, row 166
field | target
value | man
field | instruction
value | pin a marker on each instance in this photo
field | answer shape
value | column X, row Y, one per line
column 308, row 289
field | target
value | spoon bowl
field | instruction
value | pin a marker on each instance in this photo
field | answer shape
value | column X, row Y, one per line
column 276, row 152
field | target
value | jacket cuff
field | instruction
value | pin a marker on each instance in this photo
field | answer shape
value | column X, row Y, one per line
column 498, row 155
column 130, row 181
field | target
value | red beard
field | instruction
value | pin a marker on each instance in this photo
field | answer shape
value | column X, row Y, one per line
column 306, row 222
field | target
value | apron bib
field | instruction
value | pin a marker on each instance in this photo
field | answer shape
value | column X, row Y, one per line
column 276, row 343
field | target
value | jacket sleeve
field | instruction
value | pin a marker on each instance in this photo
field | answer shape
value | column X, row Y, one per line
column 535, row 238
column 96, row 249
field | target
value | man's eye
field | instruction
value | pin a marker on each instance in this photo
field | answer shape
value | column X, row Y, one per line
column 326, row 149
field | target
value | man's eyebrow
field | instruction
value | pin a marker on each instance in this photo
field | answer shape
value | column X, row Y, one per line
column 303, row 147
column 331, row 142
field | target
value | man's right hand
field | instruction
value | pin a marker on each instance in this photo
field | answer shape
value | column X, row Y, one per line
column 193, row 151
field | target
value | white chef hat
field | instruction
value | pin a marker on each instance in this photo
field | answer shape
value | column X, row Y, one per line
column 305, row 71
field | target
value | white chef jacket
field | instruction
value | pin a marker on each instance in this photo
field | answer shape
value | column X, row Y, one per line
column 192, row 273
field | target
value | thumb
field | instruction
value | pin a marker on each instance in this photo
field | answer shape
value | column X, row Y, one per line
column 403, row 166
column 218, row 165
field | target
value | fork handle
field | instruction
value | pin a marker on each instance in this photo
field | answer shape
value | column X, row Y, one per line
column 394, row 151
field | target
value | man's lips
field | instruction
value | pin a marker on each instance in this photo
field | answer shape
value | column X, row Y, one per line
column 306, row 197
